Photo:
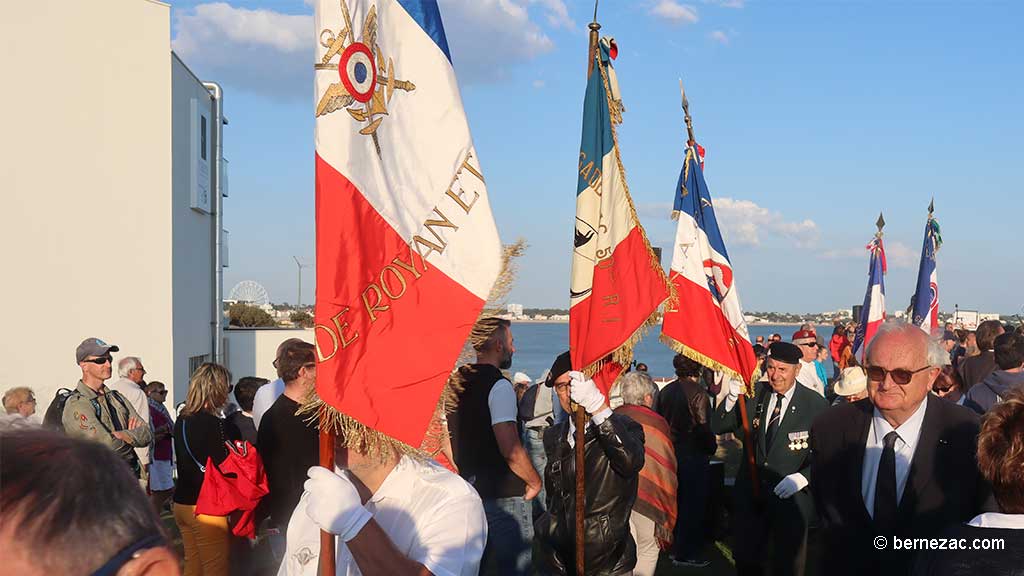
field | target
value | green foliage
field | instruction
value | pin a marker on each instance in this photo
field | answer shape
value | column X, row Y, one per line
column 300, row 318
column 249, row 316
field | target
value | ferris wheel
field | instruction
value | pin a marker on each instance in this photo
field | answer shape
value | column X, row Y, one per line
column 250, row 291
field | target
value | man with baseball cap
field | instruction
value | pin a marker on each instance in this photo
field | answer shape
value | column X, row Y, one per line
column 778, row 508
column 95, row 412
column 807, row 342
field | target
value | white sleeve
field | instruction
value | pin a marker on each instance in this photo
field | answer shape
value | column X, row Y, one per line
column 502, row 403
column 302, row 551
column 262, row 402
column 453, row 543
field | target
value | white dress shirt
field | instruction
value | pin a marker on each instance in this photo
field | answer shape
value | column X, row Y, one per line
column 787, row 399
column 909, row 432
column 432, row 517
column 808, row 376
column 265, row 397
column 998, row 520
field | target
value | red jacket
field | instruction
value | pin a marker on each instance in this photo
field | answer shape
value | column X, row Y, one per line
column 836, row 344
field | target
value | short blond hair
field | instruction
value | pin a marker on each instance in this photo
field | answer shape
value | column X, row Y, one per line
column 16, row 397
column 207, row 390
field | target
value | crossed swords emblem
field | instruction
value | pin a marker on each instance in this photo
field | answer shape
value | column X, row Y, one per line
column 365, row 84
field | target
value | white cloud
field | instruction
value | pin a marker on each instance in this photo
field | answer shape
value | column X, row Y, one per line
column 557, row 13
column 744, row 222
column 674, row 12
column 256, row 50
column 538, row 84
column 271, row 53
column 719, row 36
column 897, row 254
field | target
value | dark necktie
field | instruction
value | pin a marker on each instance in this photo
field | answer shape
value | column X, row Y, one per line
column 885, row 486
column 773, row 422
column 114, row 420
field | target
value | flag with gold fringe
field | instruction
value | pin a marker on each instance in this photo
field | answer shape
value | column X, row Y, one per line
column 617, row 282
column 407, row 248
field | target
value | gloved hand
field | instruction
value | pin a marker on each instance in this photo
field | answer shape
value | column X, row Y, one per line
column 790, row 485
column 735, row 390
column 584, row 392
column 334, row 503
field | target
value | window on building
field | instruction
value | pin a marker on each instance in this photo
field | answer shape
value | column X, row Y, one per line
column 194, row 362
column 202, row 137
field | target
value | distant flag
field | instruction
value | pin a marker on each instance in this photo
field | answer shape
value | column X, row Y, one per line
column 407, row 249
column 873, row 312
column 617, row 282
column 706, row 324
column 925, row 304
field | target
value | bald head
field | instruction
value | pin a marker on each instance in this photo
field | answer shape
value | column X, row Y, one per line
column 900, row 347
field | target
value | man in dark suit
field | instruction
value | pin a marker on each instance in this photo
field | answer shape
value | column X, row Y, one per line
column 778, row 507
column 898, row 464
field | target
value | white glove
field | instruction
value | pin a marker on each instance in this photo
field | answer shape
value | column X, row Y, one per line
column 584, row 392
column 735, row 389
column 334, row 503
column 790, row 485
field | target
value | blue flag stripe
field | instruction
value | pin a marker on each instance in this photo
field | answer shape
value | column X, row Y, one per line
column 428, row 16
column 597, row 133
column 697, row 202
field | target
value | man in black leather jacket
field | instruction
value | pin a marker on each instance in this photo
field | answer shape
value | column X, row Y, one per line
column 614, row 454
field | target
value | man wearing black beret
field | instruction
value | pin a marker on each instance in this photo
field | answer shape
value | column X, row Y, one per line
column 779, row 506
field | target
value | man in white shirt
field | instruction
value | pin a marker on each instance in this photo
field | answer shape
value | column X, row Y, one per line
column 808, row 375
column 130, row 385
column 403, row 515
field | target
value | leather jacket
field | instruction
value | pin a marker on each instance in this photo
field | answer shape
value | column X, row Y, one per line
column 614, row 455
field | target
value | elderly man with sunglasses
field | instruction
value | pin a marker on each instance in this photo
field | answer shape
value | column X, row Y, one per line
column 98, row 413
column 898, row 464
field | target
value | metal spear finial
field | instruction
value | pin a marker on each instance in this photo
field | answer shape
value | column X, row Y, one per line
column 931, row 206
column 880, row 223
column 686, row 115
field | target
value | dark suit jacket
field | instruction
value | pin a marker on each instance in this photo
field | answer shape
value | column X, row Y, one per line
column 778, row 460
column 943, row 487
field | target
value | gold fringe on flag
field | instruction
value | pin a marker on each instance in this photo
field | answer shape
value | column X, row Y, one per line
column 623, row 355
column 708, row 362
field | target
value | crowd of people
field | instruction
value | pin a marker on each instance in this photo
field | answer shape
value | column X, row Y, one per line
column 923, row 439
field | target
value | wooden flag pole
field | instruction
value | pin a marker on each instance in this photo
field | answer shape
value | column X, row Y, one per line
column 328, row 558
column 579, row 414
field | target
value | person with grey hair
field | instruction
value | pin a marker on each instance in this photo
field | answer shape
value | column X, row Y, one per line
column 132, row 385
column 653, row 518
column 896, row 464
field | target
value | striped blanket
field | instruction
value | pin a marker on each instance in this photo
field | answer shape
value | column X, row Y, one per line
column 656, row 494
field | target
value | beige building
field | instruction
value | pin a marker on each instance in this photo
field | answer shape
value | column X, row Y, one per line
column 109, row 181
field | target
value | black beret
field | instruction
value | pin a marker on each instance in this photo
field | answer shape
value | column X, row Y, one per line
column 785, row 352
column 561, row 365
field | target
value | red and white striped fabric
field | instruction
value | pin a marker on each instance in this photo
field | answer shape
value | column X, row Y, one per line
column 407, row 249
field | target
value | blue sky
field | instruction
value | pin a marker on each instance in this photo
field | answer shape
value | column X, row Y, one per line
column 815, row 116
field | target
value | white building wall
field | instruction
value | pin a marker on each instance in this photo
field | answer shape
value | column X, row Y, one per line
column 192, row 231
column 86, row 180
column 251, row 351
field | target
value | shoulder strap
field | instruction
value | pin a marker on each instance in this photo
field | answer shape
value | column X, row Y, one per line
column 184, row 438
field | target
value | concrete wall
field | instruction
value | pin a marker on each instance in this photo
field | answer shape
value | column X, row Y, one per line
column 85, row 177
column 251, row 351
column 192, row 231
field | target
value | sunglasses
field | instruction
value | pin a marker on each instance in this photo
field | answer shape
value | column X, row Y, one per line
column 900, row 376
column 159, row 391
column 101, row 360
column 939, row 390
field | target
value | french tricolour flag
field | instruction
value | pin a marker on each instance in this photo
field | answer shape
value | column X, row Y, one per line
column 706, row 324
column 873, row 313
column 925, row 306
column 407, row 249
column 617, row 282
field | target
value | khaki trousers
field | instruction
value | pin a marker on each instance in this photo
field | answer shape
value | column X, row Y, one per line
column 207, row 541
column 642, row 529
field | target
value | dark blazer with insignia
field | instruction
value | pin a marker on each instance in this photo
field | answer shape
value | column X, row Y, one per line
column 780, row 459
column 943, row 486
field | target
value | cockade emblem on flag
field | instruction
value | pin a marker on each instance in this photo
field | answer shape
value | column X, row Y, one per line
column 365, row 85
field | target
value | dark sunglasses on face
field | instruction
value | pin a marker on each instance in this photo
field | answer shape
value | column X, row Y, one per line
column 900, row 376
column 101, row 360
column 939, row 390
